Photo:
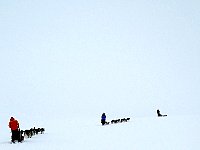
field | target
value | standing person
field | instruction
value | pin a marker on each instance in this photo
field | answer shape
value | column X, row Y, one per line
column 14, row 125
column 103, row 118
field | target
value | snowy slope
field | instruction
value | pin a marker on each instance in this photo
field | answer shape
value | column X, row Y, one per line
column 178, row 133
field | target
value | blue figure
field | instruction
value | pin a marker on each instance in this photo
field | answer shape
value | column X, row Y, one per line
column 103, row 118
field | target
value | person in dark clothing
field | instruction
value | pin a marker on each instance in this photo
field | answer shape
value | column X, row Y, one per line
column 159, row 114
column 14, row 126
column 103, row 119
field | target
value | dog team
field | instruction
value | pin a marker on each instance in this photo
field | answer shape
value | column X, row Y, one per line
column 120, row 120
column 104, row 122
column 18, row 135
column 33, row 131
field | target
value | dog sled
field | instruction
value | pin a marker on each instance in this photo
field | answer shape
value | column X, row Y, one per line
column 18, row 137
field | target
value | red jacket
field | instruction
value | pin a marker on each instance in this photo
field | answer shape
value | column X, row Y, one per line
column 13, row 124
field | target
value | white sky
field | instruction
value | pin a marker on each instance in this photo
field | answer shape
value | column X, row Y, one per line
column 112, row 56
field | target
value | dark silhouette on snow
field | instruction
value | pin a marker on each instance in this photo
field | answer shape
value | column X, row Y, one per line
column 103, row 119
column 159, row 114
column 120, row 120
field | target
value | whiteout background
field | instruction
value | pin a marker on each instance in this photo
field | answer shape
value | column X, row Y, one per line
column 64, row 63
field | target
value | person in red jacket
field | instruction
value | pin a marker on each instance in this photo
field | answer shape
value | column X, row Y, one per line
column 14, row 125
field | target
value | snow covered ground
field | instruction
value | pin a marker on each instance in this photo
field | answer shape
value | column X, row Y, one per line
column 65, row 62
column 169, row 133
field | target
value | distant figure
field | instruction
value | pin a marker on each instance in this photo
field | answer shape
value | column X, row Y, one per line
column 103, row 118
column 14, row 126
column 159, row 114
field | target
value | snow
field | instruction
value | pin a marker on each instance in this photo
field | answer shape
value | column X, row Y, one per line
column 172, row 132
column 63, row 63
